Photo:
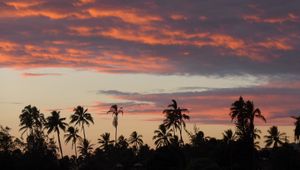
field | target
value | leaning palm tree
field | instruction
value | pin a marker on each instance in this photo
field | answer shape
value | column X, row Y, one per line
column 55, row 123
column 175, row 117
column 85, row 148
column 72, row 135
column 81, row 117
column 136, row 140
column 274, row 137
column 229, row 136
column 105, row 141
column 115, row 112
column 297, row 128
column 162, row 136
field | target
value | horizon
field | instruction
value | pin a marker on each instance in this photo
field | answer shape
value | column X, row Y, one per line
column 59, row 54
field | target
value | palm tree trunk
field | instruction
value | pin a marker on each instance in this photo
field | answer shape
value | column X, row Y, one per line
column 83, row 132
column 116, row 132
column 75, row 150
column 180, row 131
column 60, row 148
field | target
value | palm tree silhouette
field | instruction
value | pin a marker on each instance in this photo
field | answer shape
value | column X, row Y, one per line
column 115, row 112
column 274, row 137
column 253, row 113
column 85, row 148
column 105, row 141
column 162, row 136
column 54, row 123
column 244, row 114
column 136, row 140
column 175, row 118
column 122, row 142
column 31, row 119
column 72, row 135
column 81, row 117
column 297, row 128
column 229, row 136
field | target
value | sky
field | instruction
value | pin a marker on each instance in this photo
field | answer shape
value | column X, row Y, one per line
column 57, row 54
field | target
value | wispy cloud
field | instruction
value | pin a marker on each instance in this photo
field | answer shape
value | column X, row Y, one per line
column 40, row 74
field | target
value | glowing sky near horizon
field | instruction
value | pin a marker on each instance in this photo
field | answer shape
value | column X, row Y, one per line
column 57, row 54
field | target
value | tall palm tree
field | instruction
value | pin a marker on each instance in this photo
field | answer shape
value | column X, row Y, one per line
column 253, row 113
column 244, row 113
column 85, row 148
column 72, row 135
column 274, row 137
column 115, row 112
column 31, row 119
column 229, row 136
column 105, row 141
column 162, row 136
column 55, row 123
column 175, row 118
column 297, row 128
column 136, row 140
column 81, row 117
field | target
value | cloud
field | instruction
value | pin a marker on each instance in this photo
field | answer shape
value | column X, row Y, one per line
column 154, row 37
column 277, row 102
column 40, row 74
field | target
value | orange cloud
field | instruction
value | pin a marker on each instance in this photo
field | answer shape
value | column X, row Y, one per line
column 129, row 16
column 272, row 20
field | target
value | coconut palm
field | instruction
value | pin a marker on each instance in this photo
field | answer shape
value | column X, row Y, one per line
column 229, row 136
column 244, row 113
column 122, row 142
column 297, row 128
column 175, row 118
column 72, row 135
column 81, row 117
column 136, row 140
column 162, row 136
column 85, row 148
column 55, row 123
column 31, row 119
column 115, row 112
column 105, row 141
column 252, row 113
column 274, row 137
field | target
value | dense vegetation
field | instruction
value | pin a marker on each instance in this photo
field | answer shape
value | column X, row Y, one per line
column 238, row 149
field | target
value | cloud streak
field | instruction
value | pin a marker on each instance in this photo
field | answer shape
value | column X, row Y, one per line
column 277, row 103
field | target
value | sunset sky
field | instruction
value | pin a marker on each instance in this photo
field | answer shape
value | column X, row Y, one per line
column 57, row 54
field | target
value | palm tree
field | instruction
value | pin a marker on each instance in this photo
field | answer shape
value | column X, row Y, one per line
column 175, row 118
column 229, row 136
column 81, row 117
column 115, row 112
column 197, row 137
column 297, row 128
column 244, row 114
column 72, row 135
column 122, row 142
column 162, row 136
column 85, row 148
column 253, row 113
column 136, row 140
column 54, row 123
column 105, row 141
column 274, row 137
column 31, row 119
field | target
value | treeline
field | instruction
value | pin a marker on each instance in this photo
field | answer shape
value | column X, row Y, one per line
column 238, row 150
